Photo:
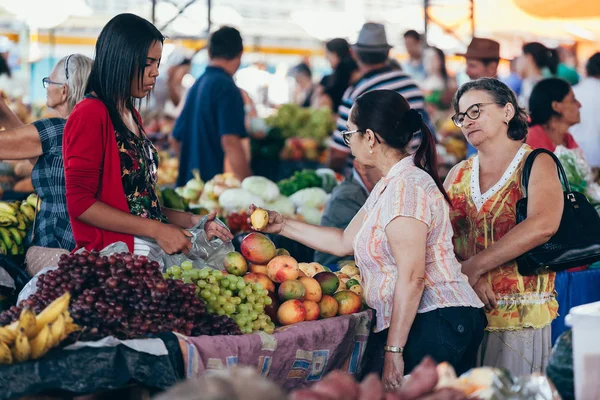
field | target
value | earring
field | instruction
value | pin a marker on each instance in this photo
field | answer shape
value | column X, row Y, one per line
column 506, row 122
column 370, row 151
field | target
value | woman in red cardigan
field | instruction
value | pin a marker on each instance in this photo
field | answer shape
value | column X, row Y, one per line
column 110, row 164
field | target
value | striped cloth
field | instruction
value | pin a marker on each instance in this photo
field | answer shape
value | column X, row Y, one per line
column 408, row 191
column 385, row 78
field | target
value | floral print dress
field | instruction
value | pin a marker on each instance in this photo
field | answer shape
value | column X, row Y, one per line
column 139, row 166
column 479, row 220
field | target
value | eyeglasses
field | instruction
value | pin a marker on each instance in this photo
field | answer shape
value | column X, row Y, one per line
column 472, row 112
column 67, row 66
column 46, row 81
column 346, row 136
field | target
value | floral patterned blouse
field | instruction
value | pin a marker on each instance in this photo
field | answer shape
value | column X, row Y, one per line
column 139, row 166
column 479, row 220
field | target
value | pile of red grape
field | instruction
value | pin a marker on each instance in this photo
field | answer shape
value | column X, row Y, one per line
column 124, row 296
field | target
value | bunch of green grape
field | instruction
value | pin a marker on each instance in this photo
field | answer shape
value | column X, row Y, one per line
column 228, row 295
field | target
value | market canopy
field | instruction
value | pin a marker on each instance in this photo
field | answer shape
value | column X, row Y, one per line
column 560, row 8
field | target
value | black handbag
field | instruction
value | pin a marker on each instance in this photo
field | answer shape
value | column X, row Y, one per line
column 577, row 241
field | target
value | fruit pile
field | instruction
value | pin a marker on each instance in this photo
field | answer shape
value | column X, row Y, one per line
column 226, row 294
column 32, row 336
column 296, row 296
column 15, row 219
column 124, row 296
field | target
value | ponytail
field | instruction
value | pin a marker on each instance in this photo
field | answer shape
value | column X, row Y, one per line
column 426, row 158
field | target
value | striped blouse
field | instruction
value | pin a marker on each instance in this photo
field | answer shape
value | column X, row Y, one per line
column 408, row 191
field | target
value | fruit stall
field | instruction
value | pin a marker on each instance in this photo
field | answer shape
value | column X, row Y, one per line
column 294, row 321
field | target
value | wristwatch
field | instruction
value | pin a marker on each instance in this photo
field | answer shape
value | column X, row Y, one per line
column 393, row 349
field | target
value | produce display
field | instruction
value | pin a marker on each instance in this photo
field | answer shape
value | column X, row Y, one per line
column 228, row 294
column 301, row 197
column 294, row 121
column 292, row 292
column 15, row 219
column 168, row 169
column 125, row 296
column 32, row 336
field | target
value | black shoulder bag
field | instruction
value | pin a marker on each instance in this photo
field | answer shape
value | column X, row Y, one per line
column 577, row 241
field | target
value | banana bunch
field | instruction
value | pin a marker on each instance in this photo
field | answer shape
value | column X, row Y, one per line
column 15, row 219
column 32, row 336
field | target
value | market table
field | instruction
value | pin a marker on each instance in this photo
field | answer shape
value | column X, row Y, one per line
column 294, row 356
column 574, row 289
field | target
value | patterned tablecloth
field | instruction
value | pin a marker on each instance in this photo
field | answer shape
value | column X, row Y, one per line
column 294, row 356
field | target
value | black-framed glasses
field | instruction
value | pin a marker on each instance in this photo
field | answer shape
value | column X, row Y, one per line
column 473, row 112
column 46, row 82
column 67, row 66
column 346, row 136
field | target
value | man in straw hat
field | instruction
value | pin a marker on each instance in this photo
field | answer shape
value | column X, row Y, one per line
column 372, row 51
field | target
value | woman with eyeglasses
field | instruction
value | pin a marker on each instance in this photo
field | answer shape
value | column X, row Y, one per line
column 110, row 164
column 402, row 242
column 41, row 142
column 484, row 191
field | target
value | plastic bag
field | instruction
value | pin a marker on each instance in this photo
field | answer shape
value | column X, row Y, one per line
column 204, row 252
column 579, row 173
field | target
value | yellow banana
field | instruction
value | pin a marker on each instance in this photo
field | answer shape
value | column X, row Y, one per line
column 32, row 200
column 28, row 323
column 21, row 349
column 68, row 318
column 52, row 311
column 57, row 328
column 14, row 232
column 7, row 336
column 7, row 219
column 15, row 251
column 15, row 205
column 69, row 328
column 28, row 211
column 22, row 222
column 6, row 208
column 39, row 345
column 3, row 249
column 5, row 354
column 23, row 233
column 6, row 237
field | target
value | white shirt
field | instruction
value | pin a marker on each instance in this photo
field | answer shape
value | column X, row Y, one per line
column 587, row 132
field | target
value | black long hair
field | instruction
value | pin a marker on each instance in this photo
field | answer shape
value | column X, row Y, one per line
column 443, row 70
column 121, row 52
column 542, row 56
column 340, row 80
column 389, row 114
column 543, row 95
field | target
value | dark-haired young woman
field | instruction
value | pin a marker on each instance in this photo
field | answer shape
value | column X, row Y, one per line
column 110, row 164
column 484, row 191
column 553, row 109
column 402, row 242
column 536, row 63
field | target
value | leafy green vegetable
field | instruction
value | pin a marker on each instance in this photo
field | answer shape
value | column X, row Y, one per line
column 300, row 180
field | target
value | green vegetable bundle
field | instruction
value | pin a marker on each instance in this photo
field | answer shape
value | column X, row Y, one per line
column 300, row 180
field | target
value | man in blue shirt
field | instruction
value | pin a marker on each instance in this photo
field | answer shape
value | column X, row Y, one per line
column 210, row 129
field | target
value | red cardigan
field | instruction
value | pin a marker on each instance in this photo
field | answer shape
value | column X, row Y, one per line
column 92, row 172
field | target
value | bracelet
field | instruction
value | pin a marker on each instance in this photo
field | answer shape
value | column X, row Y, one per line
column 393, row 349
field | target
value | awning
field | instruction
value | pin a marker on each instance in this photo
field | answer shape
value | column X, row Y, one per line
column 560, row 8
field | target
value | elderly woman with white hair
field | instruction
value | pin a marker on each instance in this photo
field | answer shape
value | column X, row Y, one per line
column 41, row 142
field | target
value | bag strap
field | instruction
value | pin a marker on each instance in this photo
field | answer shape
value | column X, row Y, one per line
column 37, row 207
column 529, row 164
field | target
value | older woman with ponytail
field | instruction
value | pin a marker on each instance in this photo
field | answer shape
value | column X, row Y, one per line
column 402, row 242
